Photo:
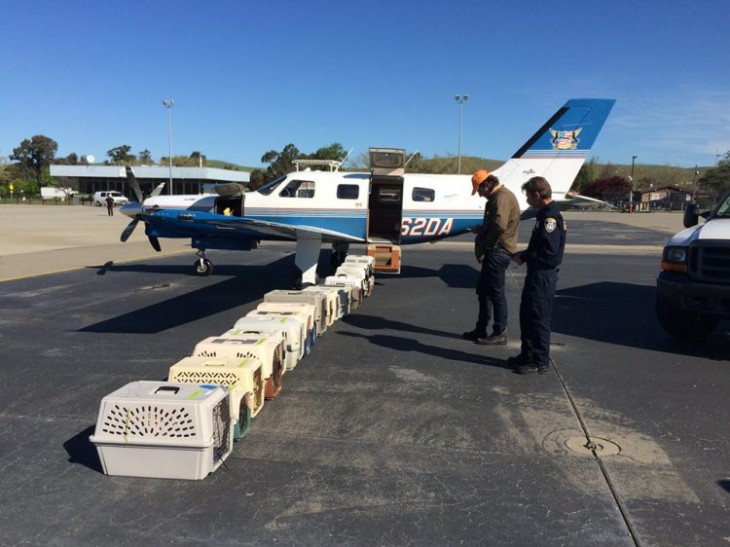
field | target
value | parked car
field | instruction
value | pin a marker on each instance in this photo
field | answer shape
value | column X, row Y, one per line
column 100, row 198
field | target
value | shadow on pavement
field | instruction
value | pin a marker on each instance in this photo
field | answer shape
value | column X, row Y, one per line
column 248, row 284
column 404, row 344
column 80, row 450
column 598, row 311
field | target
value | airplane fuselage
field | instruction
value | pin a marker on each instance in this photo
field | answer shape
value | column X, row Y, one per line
column 352, row 207
column 386, row 205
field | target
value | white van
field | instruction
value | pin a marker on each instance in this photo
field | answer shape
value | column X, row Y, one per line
column 100, row 198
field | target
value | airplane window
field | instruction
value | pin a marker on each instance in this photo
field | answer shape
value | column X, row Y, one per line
column 348, row 191
column 298, row 189
column 423, row 194
column 267, row 189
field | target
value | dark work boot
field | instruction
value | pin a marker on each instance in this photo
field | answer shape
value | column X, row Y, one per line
column 532, row 368
column 495, row 339
column 474, row 335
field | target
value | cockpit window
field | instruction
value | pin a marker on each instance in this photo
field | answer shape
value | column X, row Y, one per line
column 423, row 194
column 348, row 191
column 298, row 189
column 267, row 189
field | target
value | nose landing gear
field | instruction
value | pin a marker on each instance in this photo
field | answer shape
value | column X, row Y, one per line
column 203, row 266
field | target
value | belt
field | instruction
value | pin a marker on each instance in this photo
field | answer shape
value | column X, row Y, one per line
column 500, row 248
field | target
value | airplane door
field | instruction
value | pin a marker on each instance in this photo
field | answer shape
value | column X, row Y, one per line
column 385, row 203
column 386, row 208
column 230, row 199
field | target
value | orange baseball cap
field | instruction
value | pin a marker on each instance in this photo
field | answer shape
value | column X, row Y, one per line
column 477, row 179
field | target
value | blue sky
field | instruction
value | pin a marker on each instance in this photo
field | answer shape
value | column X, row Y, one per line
column 248, row 77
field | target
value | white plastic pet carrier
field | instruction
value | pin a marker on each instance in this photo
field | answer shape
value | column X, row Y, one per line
column 303, row 313
column 243, row 378
column 318, row 300
column 335, row 300
column 355, row 282
column 163, row 430
column 268, row 348
column 292, row 329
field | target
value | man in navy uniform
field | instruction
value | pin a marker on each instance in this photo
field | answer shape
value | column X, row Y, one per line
column 543, row 256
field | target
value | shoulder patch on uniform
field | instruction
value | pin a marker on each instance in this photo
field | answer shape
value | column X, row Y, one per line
column 550, row 225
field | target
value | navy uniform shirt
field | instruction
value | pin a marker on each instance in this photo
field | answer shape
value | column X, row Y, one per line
column 547, row 242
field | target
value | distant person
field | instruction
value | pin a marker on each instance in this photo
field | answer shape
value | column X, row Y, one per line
column 494, row 245
column 543, row 256
column 110, row 205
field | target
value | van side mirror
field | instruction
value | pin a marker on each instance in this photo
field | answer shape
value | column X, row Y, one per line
column 691, row 216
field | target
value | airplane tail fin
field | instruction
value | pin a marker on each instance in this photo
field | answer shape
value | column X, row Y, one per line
column 559, row 148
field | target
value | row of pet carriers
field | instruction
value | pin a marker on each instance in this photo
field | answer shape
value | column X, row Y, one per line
column 266, row 346
column 244, row 379
column 317, row 299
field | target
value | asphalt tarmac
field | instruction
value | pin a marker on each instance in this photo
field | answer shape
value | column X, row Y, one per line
column 394, row 430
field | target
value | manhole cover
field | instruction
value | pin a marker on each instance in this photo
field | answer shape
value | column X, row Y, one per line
column 602, row 447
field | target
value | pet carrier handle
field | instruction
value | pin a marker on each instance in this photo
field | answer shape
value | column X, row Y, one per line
column 165, row 390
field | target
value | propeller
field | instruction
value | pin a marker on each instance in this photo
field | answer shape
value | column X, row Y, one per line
column 134, row 185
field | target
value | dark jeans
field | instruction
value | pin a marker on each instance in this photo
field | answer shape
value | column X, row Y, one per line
column 490, row 291
column 536, row 311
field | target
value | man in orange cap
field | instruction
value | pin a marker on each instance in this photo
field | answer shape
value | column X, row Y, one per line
column 495, row 243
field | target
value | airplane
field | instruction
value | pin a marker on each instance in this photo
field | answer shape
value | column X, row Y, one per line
column 384, row 208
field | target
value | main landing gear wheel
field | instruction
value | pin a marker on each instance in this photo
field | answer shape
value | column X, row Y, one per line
column 339, row 253
column 336, row 260
column 203, row 267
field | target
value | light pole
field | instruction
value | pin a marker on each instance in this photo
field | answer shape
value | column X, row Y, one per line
column 631, row 190
column 169, row 103
column 461, row 99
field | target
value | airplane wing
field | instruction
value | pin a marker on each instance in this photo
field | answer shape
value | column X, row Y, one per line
column 191, row 223
column 578, row 201
column 291, row 230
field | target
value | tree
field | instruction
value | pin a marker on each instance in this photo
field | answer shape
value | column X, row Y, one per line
column 611, row 188
column 199, row 158
column 717, row 178
column 120, row 155
column 145, row 157
column 585, row 175
column 280, row 163
column 332, row 152
column 34, row 156
column 256, row 179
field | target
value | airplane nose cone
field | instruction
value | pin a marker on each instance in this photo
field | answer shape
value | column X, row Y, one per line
column 131, row 209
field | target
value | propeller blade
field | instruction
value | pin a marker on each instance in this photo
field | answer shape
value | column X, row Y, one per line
column 128, row 230
column 158, row 190
column 155, row 243
column 134, row 185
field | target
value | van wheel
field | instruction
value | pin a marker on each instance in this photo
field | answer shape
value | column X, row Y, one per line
column 203, row 267
column 682, row 324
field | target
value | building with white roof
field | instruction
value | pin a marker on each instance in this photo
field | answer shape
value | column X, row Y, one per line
column 185, row 180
